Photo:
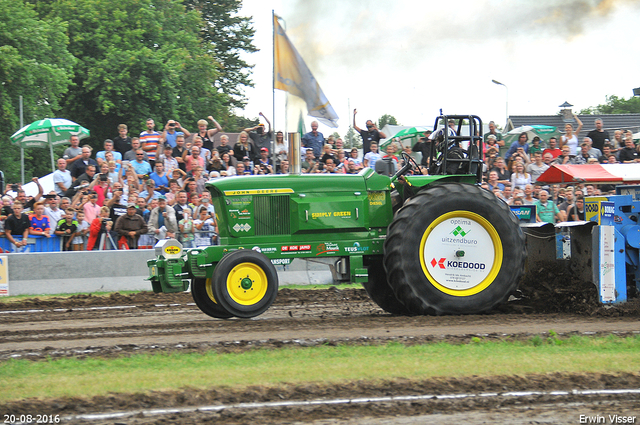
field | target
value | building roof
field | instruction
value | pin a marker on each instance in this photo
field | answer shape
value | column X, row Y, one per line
column 611, row 122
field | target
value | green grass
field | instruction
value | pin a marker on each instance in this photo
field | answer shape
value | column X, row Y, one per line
column 18, row 298
column 324, row 364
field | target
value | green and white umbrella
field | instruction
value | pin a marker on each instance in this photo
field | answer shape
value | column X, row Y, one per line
column 48, row 133
column 410, row 132
column 545, row 132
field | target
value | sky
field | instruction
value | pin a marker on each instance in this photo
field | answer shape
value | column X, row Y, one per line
column 410, row 59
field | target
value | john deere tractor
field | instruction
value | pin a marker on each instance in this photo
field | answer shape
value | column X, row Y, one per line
column 420, row 242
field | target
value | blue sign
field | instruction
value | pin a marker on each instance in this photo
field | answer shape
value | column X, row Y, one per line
column 607, row 213
column 525, row 213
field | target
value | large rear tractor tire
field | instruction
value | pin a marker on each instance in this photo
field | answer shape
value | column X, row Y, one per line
column 245, row 283
column 454, row 249
column 379, row 290
column 202, row 292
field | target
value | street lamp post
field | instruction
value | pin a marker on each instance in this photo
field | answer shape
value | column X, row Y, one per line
column 506, row 121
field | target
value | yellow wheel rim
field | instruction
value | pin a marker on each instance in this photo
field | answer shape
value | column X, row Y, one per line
column 489, row 248
column 210, row 290
column 247, row 283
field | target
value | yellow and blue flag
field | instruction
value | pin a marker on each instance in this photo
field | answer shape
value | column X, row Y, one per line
column 293, row 75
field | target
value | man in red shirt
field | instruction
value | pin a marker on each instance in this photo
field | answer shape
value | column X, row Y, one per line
column 553, row 148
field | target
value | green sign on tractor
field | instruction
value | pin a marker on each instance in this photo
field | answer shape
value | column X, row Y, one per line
column 420, row 242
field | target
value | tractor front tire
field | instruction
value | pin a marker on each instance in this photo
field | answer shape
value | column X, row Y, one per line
column 379, row 290
column 454, row 249
column 245, row 283
column 202, row 293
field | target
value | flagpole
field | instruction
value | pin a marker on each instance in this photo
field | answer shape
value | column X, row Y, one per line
column 21, row 147
column 273, row 86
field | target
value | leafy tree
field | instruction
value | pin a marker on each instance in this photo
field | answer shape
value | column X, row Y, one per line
column 235, row 124
column 352, row 139
column 615, row 105
column 34, row 64
column 387, row 119
column 335, row 135
column 227, row 35
column 138, row 59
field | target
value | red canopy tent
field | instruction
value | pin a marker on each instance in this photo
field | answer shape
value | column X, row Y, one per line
column 592, row 173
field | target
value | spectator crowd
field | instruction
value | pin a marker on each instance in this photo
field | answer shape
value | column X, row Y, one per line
column 138, row 190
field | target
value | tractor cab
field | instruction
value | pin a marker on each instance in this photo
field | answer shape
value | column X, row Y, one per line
column 456, row 146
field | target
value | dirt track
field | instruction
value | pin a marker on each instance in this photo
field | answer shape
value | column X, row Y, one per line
column 120, row 325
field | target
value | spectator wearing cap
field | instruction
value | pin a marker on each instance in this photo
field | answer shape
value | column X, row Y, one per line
column 264, row 164
column 248, row 166
column 260, row 137
column 535, row 146
column 491, row 142
column 130, row 226
column 162, row 221
column 369, row 136
column 149, row 191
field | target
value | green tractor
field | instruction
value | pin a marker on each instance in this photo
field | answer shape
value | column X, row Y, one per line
column 419, row 243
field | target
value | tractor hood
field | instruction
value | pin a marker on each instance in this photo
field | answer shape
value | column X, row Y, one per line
column 303, row 183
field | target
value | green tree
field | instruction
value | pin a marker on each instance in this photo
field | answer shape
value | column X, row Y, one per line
column 236, row 123
column 352, row 139
column 34, row 64
column 615, row 105
column 227, row 35
column 386, row 119
column 138, row 59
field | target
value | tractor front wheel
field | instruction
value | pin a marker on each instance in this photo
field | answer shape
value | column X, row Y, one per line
column 454, row 249
column 245, row 283
column 202, row 292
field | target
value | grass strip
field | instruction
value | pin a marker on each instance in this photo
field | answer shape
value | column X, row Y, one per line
column 323, row 364
column 44, row 297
